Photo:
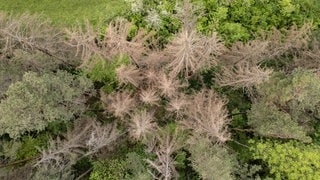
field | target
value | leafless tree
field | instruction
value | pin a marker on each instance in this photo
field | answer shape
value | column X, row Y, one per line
column 100, row 136
column 189, row 52
column 129, row 75
column 178, row 104
column 141, row 124
column 84, row 39
column 167, row 143
column 253, row 51
column 243, row 75
column 118, row 103
column 168, row 85
column 114, row 43
column 33, row 34
column 150, row 96
column 85, row 139
column 206, row 115
column 287, row 41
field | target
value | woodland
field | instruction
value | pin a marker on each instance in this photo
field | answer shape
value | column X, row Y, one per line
column 160, row 89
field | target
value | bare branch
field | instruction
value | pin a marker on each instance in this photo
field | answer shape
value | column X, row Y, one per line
column 207, row 116
column 120, row 104
column 129, row 75
column 168, row 143
column 141, row 124
column 32, row 34
column 150, row 96
column 243, row 75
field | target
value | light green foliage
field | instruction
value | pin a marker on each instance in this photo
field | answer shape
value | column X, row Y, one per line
column 31, row 145
column 290, row 160
column 108, row 170
column 234, row 31
column 236, row 20
column 39, row 99
column 211, row 161
column 288, row 107
column 104, row 72
column 8, row 149
column 155, row 15
column 246, row 17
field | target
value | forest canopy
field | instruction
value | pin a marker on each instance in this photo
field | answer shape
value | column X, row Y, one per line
column 187, row 89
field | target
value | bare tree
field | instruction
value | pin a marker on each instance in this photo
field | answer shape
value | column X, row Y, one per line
column 206, row 115
column 85, row 139
column 115, row 41
column 129, row 75
column 118, row 103
column 101, row 136
column 178, row 104
column 168, row 85
column 190, row 52
column 141, row 124
column 268, row 45
column 167, row 143
column 243, row 75
column 150, row 96
column 84, row 39
column 253, row 51
column 32, row 34
column 287, row 41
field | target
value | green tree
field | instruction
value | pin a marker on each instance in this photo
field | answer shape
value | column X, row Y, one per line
column 288, row 107
column 290, row 160
column 39, row 99
column 211, row 161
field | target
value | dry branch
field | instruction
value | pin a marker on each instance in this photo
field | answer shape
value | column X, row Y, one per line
column 32, row 34
column 243, row 75
column 207, row 116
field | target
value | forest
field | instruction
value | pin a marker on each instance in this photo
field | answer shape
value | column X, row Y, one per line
column 160, row 89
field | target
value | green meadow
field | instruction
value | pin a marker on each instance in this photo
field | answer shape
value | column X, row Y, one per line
column 67, row 12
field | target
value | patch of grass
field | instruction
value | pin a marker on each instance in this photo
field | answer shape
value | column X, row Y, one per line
column 67, row 12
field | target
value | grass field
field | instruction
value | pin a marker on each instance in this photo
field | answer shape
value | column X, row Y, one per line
column 67, row 12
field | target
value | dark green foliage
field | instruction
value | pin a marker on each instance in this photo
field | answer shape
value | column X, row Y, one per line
column 57, row 127
column 137, row 166
column 9, row 73
column 82, row 166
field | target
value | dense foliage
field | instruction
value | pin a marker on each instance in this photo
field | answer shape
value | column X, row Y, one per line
column 202, row 89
